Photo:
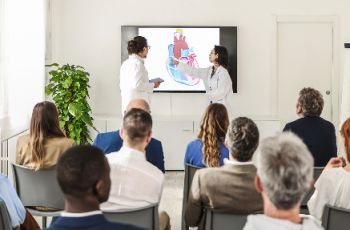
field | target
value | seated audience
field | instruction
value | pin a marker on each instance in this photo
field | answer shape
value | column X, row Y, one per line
column 83, row 175
column 136, row 183
column 228, row 187
column 19, row 217
column 45, row 142
column 112, row 141
column 209, row 149
column 285, row 168
column 333, row 185
column 317, row 133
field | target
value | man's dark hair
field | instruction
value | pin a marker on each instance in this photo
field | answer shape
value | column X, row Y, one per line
column 137, row 124
column 311, row 102
column 79, row 169
column 242, row 138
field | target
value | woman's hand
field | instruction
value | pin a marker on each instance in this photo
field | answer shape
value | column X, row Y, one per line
column 335, row 162
column 175, row 61
column 157, row 84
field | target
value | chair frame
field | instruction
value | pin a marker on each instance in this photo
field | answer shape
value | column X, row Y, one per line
column 5, row 222
column 326, row 215
column 28, row 204
column 303, row 206
column 153, row 208
column 187, row 186
column 210, row 214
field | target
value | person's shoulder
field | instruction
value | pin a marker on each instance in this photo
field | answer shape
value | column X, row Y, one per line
column 196, row 142
column 62, row 141
column 155, row 141
column 23, row 138
column 310, row 222
column 326, row 122
column 107, row 135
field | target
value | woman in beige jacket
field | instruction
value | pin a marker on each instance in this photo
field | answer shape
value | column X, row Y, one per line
column 45, row 142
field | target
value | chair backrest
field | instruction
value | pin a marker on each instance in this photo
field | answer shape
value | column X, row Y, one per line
column 317, row 173
column 146, row 217
column 190, row 170
column 38, row 188
column 217, row 220
column 335, row 218
column 5, row 222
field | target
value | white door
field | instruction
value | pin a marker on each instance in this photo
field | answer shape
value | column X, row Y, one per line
column 304, row 59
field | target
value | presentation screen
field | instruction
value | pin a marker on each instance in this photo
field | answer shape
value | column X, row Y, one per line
column 190, row 45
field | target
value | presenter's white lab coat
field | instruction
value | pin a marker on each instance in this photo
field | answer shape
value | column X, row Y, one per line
column 218, row 87
column 134, row 82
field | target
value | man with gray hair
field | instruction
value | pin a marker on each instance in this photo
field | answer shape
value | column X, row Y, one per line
column 317, row 133
column 232, row 185
column 285, row 168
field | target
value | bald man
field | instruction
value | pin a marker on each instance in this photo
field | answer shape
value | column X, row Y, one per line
column 112, row 141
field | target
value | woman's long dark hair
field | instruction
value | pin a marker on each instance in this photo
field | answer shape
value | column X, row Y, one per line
column 44, row 124
column 222, row 53
column 136, row 45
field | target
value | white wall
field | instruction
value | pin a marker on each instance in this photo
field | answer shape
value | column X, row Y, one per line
column 87, row 32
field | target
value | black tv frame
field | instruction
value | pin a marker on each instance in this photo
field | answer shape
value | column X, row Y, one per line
column 228, row 38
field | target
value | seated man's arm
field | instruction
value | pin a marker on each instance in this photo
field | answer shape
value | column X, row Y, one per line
column 194, row 209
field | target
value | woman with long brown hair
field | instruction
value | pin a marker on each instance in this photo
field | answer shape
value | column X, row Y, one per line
column 45, row 142
column 209, row 149
column 333, row 185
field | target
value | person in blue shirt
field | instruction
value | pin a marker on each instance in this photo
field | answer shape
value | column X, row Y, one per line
column 83, row 175
column 112, row 142
column 209, row 149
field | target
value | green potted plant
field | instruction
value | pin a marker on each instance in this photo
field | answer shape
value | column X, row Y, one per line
column 68, row 86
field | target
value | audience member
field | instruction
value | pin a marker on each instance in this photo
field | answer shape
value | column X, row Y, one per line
column 229, row 187
column 112, row 141
column 19, row 217
column 45, row 142
column 333, row 185
column 136, row 183
column 83, row 175
column 285, row 168
column 317, row 133
column 209, row 149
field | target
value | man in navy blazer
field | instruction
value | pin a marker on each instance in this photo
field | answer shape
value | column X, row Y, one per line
column 83, row 175
column 112, row 141
column 317, row 133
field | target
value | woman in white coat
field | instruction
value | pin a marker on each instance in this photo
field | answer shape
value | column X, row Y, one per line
column 134, row 82
column 216, row 78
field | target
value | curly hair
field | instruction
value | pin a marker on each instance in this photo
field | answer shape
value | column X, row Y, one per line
column 212, row 132
column 345, row 133
column 311, row 102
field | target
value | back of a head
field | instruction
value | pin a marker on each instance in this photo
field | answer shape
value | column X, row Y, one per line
column 136, row 45
column 285, row 167
column 79, row 169
column 242, row 138
column 138, row 104
column 311, row 102
column 222, row 53
column 345, row 133
column 212, row 132
column 137, row 125
column 44, row 124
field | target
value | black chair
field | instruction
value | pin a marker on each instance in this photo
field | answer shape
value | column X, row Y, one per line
column 218, row 220
column 146, row 217
column 5, row 222
column 335, row 218
column 303, row 206
column 39, row 189
column 190, row 170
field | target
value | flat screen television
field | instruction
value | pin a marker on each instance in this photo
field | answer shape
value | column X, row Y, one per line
column 189, row 44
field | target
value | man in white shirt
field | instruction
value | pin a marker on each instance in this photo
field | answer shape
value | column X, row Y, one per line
column 228, row 187
column 135, row 182
column 285, row 168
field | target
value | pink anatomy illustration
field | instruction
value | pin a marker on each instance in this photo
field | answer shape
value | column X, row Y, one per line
column 181, row 51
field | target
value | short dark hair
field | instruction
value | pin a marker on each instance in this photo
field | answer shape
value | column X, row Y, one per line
column 311, row 102
column 80, row 168
column 136, row 45
column 222, row 53
column 137, row 124
column 242, row 138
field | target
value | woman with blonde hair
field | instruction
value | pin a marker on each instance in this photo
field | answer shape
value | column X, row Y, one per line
column 209, row 149
column 333, row 185
column 45, row 142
